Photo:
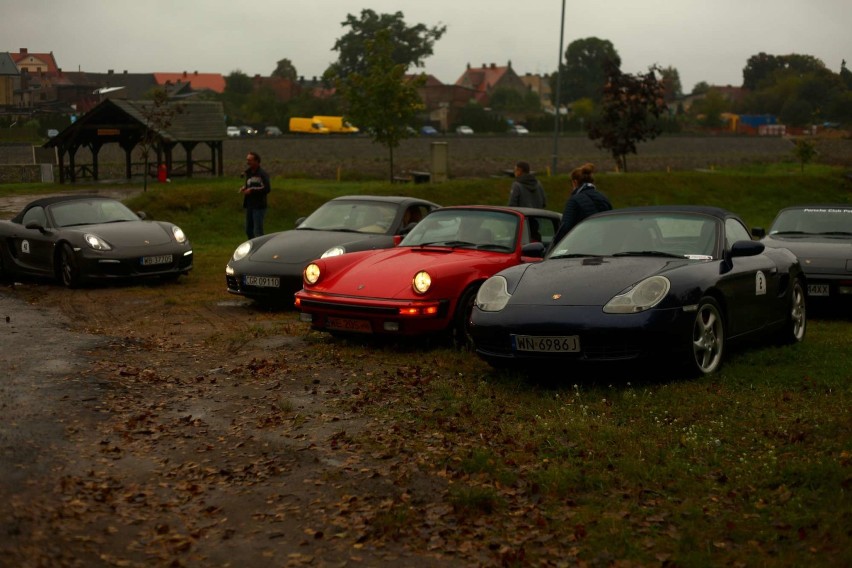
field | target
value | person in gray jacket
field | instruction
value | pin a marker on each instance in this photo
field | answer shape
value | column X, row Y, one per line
column 526, row 189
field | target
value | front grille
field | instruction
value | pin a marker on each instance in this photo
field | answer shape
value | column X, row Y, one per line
column 349, row 308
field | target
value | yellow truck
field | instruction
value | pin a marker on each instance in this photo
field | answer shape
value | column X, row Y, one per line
column 336, row 124
column 307, row 126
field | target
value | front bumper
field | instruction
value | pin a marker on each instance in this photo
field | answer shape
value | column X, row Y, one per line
column 99, row 266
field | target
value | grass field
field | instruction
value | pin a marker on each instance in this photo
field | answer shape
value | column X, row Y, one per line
column 612, row 465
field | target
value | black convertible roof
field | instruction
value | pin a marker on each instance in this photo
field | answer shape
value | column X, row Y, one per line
column 50, row 200
column 700, row 209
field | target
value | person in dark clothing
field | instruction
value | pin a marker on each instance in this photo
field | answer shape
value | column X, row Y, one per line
column 584, row 200
column 526, row 189
column 254, row 191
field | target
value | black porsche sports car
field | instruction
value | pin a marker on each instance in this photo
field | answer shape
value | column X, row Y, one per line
column 821, row 236
column 80, row 238
column 268, row 269
column 678, row 281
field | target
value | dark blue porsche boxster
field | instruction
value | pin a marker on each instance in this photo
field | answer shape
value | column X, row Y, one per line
column 631, row 283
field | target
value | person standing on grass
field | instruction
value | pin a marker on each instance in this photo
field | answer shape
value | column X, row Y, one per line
column 585, row 200
column 526, row 190
column 254, row 190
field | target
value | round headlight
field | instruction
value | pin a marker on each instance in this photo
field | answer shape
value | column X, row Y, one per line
column 242, row 250
column 421, row 283
column 644, row 296
column 96, row 242
column 179, row 235
column 334, row 251
column 493, row 295
column 312, row 273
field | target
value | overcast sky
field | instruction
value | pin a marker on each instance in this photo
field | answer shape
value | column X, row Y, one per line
column 704, row 40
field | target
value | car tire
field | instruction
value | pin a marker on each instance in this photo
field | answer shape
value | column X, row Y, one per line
column 708, row 337
column 69, row 269
column 795, row 324
column 461, row 320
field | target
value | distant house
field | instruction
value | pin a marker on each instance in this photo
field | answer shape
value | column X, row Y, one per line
column 443, row 103
column 8, row 76
column 214, row 82
column 284, row 89
column 488, row 78
column 540, row 85
column 35, row 63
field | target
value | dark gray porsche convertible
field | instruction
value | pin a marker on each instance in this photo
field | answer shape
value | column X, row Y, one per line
column 80, row 238
column 268, row 269
column 677, row 282
column 821, row 236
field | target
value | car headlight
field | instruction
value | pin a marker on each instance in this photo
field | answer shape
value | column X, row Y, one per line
column 312, row 273
column 96, row 242
column 334, row 251
column 493, row 295
column 643, row 296
column 422, row 282
column 242, row 250
column 179, row 234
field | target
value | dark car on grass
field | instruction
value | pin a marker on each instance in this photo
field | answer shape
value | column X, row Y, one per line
column 674, row 283
column 268, row 269
column 821, row 236
column 81, row 238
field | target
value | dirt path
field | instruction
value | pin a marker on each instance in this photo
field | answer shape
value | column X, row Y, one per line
column 138, row 435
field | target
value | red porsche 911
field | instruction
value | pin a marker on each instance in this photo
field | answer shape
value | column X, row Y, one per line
column 428, row 283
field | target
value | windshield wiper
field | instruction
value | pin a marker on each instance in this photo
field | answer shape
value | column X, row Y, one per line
column 492, row 246
column 789, row 233
column 452, row 244
column 841, row 233
column 574, row 255
column 648, row 253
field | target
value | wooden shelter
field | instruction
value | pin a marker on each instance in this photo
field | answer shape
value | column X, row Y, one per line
column 161, row 128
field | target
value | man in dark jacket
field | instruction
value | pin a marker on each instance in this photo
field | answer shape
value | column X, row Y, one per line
column 254, row 191
column 526, row 189
column 585, row 200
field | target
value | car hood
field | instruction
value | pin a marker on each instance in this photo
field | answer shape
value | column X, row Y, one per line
column 587, row 281
column 302, row 246
column 388, row 274
column 130, row 233
column 816, row 252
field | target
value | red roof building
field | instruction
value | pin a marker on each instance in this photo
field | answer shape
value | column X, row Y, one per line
column 486, row 79
column 198, row 81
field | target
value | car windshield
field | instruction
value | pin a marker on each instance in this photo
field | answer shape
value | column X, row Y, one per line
column 466, row 228
column 813, row 221
column 90, row 212
column 355, row 216
column 642, row 234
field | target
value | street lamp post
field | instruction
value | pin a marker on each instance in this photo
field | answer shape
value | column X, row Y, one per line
column 558, row 92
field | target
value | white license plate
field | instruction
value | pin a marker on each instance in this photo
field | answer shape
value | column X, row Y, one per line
column 151, row 260
column 817, row 289
column 546, row 344
column 263, row 281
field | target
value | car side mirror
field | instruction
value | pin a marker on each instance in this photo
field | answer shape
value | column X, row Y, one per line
column 535, row 250
column 300, row 220
column 747, row 248
column 35, row 226
column 758, row 232
column 142, row 215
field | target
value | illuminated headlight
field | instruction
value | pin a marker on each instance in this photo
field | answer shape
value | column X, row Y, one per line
column 96, row 242
column 242, row 250
column 421, row 283
column 312, row 273
column 179, row 234
column 229, row 271
column 334, row 251
column 493, row 295
column 641, row 297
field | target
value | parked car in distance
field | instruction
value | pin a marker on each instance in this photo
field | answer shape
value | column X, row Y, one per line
column 428, row 131
column 426, row 285
column 821, row 236
column 518, row 130
column 233, row 131
column 246, row 130
column 669, row 284
column 268, row 269
column 272, row 131
column 80, row 238
column 464, row 130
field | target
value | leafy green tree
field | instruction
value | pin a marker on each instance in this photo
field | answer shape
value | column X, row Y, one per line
column 238, row 87
column 480, row 119
column 671, row 83
column 700, row 88
column 238, row 83
column 630, row 111
column 410, row 44
column 761, row 69
column 158, row 113
column 583, row 73
column 708, row 110
column 285, row 69
column 381, row 99
column 503, row 99
column 804, row 151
